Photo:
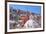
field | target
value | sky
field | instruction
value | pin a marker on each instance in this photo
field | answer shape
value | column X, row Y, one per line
column 34, row 9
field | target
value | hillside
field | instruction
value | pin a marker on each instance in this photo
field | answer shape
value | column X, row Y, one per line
column 17, row 13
